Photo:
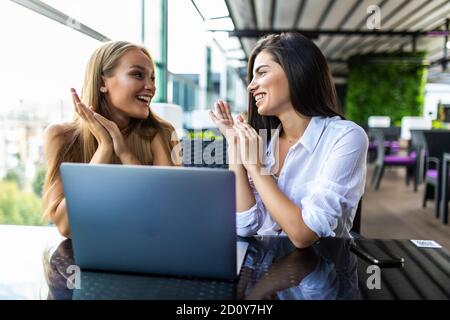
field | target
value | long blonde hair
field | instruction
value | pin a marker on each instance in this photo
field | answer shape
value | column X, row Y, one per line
column 80, row 144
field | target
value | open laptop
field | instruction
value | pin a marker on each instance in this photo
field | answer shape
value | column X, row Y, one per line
column 161, row 220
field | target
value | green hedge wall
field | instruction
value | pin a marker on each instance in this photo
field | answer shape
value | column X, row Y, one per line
column 387, row 85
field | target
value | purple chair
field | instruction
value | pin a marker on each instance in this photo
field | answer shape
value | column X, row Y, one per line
column 409, row 162
column 390, row 147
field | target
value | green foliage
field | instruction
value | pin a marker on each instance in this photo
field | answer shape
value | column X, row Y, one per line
column 19, row 207
column 38, row 182
column 387, row 85
column 15, row 175
column 204, row 135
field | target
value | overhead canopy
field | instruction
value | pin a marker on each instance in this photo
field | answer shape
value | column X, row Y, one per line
column 342, row 28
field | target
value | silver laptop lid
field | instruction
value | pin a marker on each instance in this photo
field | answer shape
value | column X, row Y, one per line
column 163, row 220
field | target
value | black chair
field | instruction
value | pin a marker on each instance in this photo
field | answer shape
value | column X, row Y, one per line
column 438, row 143
column 355, row 231
column 391, row 136
column 391, row 133
column 409, row 162
column 445, row 189
column 418, row 144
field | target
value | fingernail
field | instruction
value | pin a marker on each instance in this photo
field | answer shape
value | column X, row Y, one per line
column 73, row 90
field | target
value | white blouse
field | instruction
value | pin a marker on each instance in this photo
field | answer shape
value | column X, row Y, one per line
column 324, row 174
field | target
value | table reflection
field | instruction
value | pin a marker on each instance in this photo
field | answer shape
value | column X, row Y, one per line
column 273, row 269
column 326, row 270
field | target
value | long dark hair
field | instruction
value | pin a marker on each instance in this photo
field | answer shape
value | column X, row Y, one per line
column 311, row 86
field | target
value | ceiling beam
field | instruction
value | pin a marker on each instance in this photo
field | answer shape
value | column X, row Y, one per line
column 413, row 23
column 420, row 6
column 359, row 25
column 344, row 20
column 299, row 13
column 363, row 42
column 233, row 19
column 313, row 33
column 325, row 13
column 273, row 8
column 255, row 17
column 58, row 16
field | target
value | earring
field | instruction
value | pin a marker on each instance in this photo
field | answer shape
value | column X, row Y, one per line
column 103, row 89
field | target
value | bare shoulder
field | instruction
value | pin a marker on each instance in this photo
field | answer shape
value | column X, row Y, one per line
column 54, row 134
column 56, row 129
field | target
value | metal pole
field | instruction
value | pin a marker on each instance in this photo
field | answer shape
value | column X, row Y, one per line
column 444, row 61
column 161, row 92
column 142, row 22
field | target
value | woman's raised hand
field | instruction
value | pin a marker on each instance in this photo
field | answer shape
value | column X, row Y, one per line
column 223, row 119
column 250, row 147
column 87, row 115
column 120, row 147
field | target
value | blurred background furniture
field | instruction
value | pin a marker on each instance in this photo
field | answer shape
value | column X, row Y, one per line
column 414, row 123
column 437, row 143
column 391, row 136
column 445, row 189
column 355, row 231
column 172, row 113
column 383, row 160
column 418, row 143
column 379, row 122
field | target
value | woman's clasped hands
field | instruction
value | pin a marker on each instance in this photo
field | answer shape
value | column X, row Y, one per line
column 245, row 146
column 106, row 132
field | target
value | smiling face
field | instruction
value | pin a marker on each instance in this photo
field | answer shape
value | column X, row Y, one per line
column 131, row 87
column 269, row 86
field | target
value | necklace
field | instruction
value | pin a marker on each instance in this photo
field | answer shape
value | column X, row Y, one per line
column 291, row 141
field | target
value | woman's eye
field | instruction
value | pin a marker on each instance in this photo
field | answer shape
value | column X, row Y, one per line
column 260, row 73
column 137, row 75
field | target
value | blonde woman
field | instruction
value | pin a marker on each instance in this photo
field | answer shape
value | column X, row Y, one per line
column 113, row 123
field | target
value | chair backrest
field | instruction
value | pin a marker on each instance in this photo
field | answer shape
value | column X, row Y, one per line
column 419, row 145
column 411, row 123
column 379, row 121
column 391, row 133
column 417, row 141
column 378, row 138
column 357, row 220
column 437, row 142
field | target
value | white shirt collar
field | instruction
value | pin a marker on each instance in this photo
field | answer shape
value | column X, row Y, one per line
column 311, row 136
